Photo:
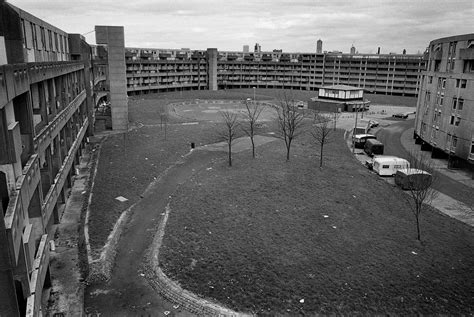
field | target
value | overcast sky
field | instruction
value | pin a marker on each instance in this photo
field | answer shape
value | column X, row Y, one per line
column 291, row 25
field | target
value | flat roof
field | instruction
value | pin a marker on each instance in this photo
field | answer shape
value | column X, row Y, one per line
column 342, row 87
column 385, row 158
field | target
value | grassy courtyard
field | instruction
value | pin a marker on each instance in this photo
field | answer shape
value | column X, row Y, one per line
column 275, row 237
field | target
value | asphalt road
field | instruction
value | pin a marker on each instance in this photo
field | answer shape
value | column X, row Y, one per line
column 390, row 137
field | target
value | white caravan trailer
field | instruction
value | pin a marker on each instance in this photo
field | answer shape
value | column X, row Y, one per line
column 385, row 165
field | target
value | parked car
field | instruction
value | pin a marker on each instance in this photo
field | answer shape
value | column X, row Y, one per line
column 400, row 115
column 373, row 123
column 360, row 139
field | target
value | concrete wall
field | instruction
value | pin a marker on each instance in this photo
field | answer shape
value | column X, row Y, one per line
column 113, row 37
column 212, row 68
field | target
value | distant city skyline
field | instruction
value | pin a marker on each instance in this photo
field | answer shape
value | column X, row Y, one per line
column 290, row 25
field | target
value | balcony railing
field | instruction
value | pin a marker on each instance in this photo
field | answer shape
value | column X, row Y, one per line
column 58, row 183
column 38, row 275
column 43, row 139
column 16, row 217
column 23, row 75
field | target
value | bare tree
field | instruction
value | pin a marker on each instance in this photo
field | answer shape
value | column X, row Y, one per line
column 229, row 132
column 290, row 122
column 420, row 185
column 164, row 121
column 253, row 111
column 321, row 133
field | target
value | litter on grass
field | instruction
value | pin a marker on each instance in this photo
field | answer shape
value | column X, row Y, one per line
column 302, row 300
column 413, row 252
column 326, row 216
column 121, row 199
column 334, row 227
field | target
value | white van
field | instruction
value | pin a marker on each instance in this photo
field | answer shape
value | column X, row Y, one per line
column 385, row 165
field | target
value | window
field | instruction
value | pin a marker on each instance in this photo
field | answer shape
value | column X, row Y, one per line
column 61, row 49
column 463, row 83
column 451, row 121
column 454, row 143
column 440, row 83
column 56, row 47
column 472, row 147
column 33, row 35
column 50, row 38
column 468, row 66
column 43, row 38
column 385, row 166
column 23, row 31
column 457, row 122
column 430, row 79
column 460, row 104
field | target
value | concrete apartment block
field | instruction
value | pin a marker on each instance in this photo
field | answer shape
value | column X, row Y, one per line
column 212, row 68
column 113, row 37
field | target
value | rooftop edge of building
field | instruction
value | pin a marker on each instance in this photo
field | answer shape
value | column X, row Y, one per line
column 461, row 37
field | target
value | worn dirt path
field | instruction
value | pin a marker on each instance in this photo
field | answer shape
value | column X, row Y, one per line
column 128, row 293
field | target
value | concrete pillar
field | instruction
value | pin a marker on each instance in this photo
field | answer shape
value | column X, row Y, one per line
column 20, row 272
column 56, row 158
column 113, row 37
column 46, row 172
column 34, row 209
column 8, row 301
column 42, row 102
column 52, row 97
column 212, row 68
column 24, row 115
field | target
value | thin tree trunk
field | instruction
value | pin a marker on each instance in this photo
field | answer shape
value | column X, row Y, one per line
column 418, row 228
column 321, row 158
column 253, row 147
column 230, row 154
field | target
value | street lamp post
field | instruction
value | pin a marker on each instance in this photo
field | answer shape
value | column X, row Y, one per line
column 355, row 128
column 254, row 88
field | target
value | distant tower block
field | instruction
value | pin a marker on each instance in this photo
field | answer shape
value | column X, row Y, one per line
column 113, row 37
column 319, row 47
column 212, row 68
column 258, row 48
column 246, row 48
column 353, row 50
